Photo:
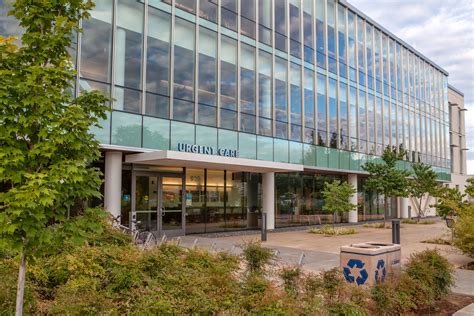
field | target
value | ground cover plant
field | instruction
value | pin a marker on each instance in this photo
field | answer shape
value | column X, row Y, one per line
column 328, row 230
column 106, row 275
column 421, row 222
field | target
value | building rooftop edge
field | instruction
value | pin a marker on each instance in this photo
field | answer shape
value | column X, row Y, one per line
column 378, row 25
column 455, row 90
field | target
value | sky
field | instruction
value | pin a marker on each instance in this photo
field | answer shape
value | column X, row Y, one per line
column 443, row 31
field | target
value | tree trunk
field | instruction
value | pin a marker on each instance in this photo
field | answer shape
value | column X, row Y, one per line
column 21, row 285
column 385, row 210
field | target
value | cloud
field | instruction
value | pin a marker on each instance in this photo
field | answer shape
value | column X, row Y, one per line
column 443, row 31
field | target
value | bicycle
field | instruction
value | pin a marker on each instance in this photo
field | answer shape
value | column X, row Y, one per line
column 141, row 238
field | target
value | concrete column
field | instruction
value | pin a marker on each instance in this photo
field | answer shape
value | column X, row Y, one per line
column 113, row 182
column 404, row 207
column 268, row 198
column 352, row 179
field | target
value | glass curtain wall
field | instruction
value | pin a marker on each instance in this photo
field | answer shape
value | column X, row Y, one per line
column 183, row 87
column 299, row 200
column 265, row 110
column 157, row 63
column 207, row 77
column 393, row 95
column 128, row 56
column 219, row 200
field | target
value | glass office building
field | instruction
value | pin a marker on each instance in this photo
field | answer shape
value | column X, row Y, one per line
column 226, row 109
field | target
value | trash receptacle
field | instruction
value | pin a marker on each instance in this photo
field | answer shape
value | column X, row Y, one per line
column 369, row 263
column 252, row 218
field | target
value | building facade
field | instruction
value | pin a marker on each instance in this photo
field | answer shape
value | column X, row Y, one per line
column 224, row 110
column 457, row 133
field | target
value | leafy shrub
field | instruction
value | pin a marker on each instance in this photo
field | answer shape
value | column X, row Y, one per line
column 422, row 222
column 328, row 230
column 256, row 257
column 291, row 277
column 375, row 225
column 464, row 231
column 428, row 268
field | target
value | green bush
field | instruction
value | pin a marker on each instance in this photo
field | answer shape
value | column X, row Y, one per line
column 431, row 270
column 415, row 221
column 257, row 257
column 291, row 278
column 328, row 230
column 464, row 231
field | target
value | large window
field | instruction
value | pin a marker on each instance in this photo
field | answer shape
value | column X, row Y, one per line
column 280, row 25
column 208, row 10
column 334, row 133
column 96, row 46
column 341, row 20
column 322, row 120
column 247, row 18
column 361, row 50
column 281, row 104
column 247, row 89
column 207, row 77
column 186, row 5
column 183, row 105
column 228, row 82
column 295, row 41
column 265, row 21
column 353, row 122
column 331, row 15
column 265, row 93
column 229, row 14
column 371, row 122
column 370, row 59
column 320, row 39
column 308, row 33
column 309, row 106
column 362, row 123
column 158, row 61
column 343, row 114
column 295, row 97
column 352, row 45
column 128, row 56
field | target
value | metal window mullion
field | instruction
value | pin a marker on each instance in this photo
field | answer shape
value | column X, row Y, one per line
column 288, row 68
column 144, row 58
column 325, row 30
column 257, row 73
column 78, row 60
column 237, row 65
column 302, row 84
column 315, row 76
column 218, row 60
column 171, row 85
column 273, row 69
column 196, row 65
column 338, row 75
column 113, row 57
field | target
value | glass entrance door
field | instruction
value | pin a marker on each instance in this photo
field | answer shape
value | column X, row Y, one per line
column 171, row 205
column 157, row 204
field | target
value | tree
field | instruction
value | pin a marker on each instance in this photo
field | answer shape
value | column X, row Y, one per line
column 449, row 202
column 46, row 147
column 385, row 178
column 422, row 186
column 336, row 196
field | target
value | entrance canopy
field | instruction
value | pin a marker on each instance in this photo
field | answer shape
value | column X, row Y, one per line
column 201, row 161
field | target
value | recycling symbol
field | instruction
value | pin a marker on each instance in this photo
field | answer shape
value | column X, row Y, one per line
column 381, row 271
column 355, row 272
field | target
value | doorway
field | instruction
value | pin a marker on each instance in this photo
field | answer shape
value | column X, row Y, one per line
column 157, row 203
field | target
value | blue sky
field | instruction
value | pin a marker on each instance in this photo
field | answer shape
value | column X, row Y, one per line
column 442, row 31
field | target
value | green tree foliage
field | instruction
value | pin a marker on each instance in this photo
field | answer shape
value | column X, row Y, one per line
column 385, row 178
column 469, row 189
column 423, row 186
column 336, row 196
column 450, row 201
column 47, row 149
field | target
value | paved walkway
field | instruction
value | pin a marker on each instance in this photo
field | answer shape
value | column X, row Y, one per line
column 322, row 253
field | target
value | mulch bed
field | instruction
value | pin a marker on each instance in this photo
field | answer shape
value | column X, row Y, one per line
column 447, row 306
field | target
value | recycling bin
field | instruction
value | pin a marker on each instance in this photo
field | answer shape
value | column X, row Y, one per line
column 369, row 263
